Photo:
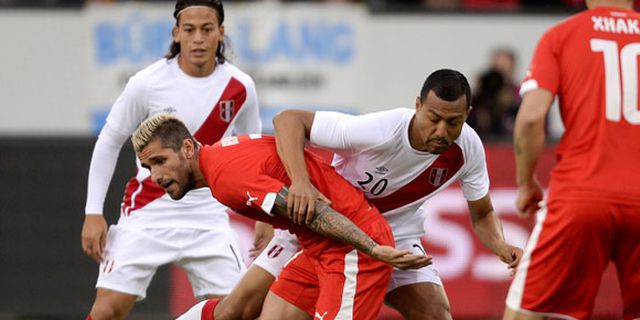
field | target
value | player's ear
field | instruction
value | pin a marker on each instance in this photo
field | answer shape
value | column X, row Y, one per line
column 418, row 103
column 174, row 33
column 188, row 147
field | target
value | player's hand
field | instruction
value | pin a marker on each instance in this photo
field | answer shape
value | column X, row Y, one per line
column 511, row 255
column 402, row 259
column 263, row 232
column 528, row 200
column 94, row 236
column 301, row 204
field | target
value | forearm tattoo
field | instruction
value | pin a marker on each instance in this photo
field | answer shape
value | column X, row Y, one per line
column 330, row 223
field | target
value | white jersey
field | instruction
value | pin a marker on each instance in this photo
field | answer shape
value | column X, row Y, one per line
column 221, row 104
column 373, row 152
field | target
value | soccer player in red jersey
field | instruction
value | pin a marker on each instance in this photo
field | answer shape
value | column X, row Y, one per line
column 197, row 83
column 592, row 213
column 246, row 174
column 399, row 158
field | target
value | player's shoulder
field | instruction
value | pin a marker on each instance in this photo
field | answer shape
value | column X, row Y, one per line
column 469, row 140
column 566, row 26
column 469, row 134
column 150, row 73
column 159, row 66
column 398, row 112
column 392, row 117
column 233, row 71
column 392, row 120
column 585, row 20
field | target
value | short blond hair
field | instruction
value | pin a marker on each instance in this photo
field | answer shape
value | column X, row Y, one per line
column 164, row 126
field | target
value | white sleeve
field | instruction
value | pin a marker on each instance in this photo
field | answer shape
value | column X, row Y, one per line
column 475, row 179
column 131, row 107
column 103, row 163
column 248, row 120
column 339, row 131
column 129, row 110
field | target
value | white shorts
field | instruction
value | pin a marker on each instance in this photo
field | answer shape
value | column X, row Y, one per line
column 284, row 245
column 210, row 258
column 401, row 277
column 278, row 252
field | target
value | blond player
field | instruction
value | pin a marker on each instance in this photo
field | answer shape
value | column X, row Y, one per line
column 399, row 159
column 214, row 99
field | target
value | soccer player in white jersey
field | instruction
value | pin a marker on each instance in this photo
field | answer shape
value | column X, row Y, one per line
column 214, row 99
column 399, row 158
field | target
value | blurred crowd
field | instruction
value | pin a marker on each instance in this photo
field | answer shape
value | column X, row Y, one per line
column 495, row 89
column 495, row 98
column 428, row 5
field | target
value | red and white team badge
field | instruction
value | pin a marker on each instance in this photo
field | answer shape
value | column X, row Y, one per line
column 437, row 176
column 275, row 251
column 226, row 110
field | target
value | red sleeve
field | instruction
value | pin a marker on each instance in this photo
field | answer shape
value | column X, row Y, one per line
column 544, row 71
column 237, row 181
column 247, row 193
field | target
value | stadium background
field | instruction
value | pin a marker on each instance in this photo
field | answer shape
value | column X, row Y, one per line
column 63, row 63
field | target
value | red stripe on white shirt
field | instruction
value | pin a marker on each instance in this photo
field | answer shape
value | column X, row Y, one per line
column 427, row 182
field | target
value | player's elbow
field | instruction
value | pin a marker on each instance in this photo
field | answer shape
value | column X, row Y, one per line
column 292, row 119
column 534, row 108
column 527, row 121
column 283, row 117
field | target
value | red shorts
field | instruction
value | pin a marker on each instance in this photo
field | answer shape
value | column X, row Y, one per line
column 341, row 283
column 569, row 249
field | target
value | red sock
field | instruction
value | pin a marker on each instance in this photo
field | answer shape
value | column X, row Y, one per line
column 208, row 309
column 88, row 318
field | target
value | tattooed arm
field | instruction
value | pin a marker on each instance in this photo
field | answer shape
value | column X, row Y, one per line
column 334, row 225
column 528, row 139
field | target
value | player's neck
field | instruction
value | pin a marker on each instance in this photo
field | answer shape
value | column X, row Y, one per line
column 199, row 180
column 622, row 4
column 197, row 71
column 415, row 143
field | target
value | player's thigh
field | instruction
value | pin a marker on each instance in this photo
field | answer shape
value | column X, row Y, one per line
column 276, row 308
column 417, row 293
column 298, row 283
column 206, row 250
column 627, row 257
column 352, row 285
column 426, row 300
column 246, row 299
column 565, row 257
column 111, row 304
column 129, row 268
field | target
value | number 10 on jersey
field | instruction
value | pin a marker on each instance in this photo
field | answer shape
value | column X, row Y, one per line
column 621, row 98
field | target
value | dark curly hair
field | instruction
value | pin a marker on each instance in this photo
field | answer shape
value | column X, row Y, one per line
column 174, row 49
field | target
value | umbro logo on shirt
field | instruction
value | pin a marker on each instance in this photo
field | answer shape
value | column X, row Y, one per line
column 381, row 170
column 169, row 109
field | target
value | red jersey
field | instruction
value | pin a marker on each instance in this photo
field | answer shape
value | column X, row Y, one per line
column 591, row 62
column 245, row 174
